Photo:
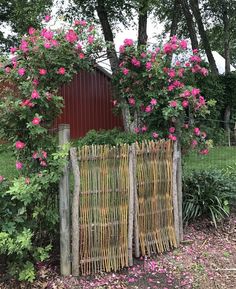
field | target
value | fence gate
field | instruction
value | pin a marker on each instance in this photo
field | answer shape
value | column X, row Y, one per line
column 122, row 202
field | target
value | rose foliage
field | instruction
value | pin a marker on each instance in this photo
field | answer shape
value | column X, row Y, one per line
column 29, row 105
column 158, row 86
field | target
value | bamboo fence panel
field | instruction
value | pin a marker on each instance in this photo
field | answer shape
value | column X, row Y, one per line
column 154, row 185
column 103, row 208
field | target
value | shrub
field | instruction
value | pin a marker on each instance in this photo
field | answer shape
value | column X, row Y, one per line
column 207, row 193
column 111, row 137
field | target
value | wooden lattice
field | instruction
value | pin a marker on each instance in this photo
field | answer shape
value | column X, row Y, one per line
column 154, row 187
column 103, row 210
column 106, row 213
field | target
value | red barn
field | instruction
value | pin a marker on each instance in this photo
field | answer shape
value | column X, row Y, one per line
column 88, row 103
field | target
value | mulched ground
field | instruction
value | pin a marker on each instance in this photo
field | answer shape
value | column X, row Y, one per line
column 206, row 259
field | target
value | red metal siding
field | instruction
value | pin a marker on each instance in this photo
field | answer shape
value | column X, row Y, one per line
column 88, row 104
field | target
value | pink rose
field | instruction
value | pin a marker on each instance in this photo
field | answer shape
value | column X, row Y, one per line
column 172, row 129
column 128, row 42
column 19, row 165
column 197, row 131
column 81, row 55
column 144, row 128
column 136, row 130
column 42, row 71
column 185, row 103
column 173, row 103
column 20, row 145
column 7, row 69
column 21, row 71
column 125, row 71
column 31, row 31
column 183, row 44
column 61, row 70
column 155, row 135
column 153, row 101
column 35, row 94
column 47, row 45
column 13, row 50
column 148, row 65
column 47, row 18
column 36, row 121
column 131, row 101
column 148, row 108
column 71, row 36
column 90, row 39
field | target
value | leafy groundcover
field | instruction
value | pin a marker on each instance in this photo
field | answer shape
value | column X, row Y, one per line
column 206, row 259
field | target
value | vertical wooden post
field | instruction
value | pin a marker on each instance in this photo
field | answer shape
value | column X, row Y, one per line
column 180, row 191
column 175, row 193
column 136, row 206
column 131, row 206
column 64, row 207
column 75, row 213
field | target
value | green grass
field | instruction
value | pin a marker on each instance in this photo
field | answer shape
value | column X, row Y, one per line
column 218, row 158
column 7, row 163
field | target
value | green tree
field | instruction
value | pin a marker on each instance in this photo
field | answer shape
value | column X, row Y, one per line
column 19, row 15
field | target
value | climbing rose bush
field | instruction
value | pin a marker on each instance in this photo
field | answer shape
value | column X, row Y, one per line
column 29, row 105
column 158, row 86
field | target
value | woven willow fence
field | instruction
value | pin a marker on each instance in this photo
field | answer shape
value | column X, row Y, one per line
column 123, row 205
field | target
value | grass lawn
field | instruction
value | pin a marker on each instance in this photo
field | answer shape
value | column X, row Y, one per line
column 7, row 162
column 218, row 158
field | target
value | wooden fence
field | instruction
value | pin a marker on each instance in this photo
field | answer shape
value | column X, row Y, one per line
column 122, row 205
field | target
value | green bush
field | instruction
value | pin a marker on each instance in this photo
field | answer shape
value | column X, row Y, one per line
column 208, row 194
column 111, row 137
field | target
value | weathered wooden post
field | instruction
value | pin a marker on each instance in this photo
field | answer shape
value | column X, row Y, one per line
column 64, row 208
column 180, row 190
column 136, row 206
column 75, row 212
column 131, row 205
column 175, row 193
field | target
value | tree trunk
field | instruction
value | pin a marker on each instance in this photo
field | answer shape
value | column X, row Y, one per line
column 226, row 36
column 175, row 17
column 108, row 35
column 227, row 114
column 142, row 22
column 190, row 23
column 206, row 44
column 112, row 56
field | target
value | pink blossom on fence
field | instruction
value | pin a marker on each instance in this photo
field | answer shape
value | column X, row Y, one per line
column 20, row 145
column 19, row 165
column 48, row 34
